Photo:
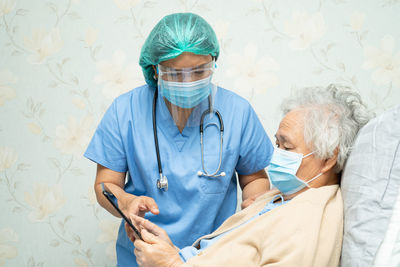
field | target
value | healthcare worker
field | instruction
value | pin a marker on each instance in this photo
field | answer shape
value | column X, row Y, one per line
column 170, row 150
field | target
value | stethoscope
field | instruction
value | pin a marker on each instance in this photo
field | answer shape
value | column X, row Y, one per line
column 162, row 182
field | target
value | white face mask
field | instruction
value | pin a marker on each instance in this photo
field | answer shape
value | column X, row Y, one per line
column 186, row 94
column 282, row 171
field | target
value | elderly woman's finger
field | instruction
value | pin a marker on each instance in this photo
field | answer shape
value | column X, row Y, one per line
column 149, row 238
column 137, row 220
column 146, row 224
column 140, row 245
column 129, row 232
column 137, row 254
column 140, row 258
column 152, row 227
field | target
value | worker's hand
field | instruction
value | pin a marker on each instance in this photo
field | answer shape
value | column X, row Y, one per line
column 248, row 201
column 154, row 251
column 134, row 206
column 253, row 185
column 152, row 228
column 138, row 205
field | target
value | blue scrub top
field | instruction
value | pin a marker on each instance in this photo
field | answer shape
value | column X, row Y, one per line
column 193, row 206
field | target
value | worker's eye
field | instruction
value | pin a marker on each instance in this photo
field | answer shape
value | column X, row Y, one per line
column 199, row 73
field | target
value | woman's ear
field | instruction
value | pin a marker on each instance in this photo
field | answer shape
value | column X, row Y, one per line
column 331, row 162
column 155, row 72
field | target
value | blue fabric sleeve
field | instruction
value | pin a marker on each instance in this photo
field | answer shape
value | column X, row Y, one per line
column 255, row 147
column 187, row 252
column 106, row 147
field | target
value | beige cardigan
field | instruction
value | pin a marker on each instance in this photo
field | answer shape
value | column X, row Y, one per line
column 307, row 231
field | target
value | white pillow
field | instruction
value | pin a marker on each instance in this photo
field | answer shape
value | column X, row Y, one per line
column 370, row 186
column 389, row 252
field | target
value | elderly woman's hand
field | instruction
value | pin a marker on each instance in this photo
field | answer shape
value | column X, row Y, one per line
column 156, row 252
column 152, row 228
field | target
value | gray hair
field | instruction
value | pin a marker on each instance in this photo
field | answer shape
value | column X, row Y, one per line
column 333, row 116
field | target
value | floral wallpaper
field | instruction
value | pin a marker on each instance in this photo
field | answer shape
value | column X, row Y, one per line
column 62, row 63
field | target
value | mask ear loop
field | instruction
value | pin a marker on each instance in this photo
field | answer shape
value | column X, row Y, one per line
column 155, row 76
column 308, row 154
column 312, row 179
column 211, row 103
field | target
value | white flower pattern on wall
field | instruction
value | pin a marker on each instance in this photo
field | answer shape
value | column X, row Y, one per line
column 252, row 73
column 73, row 137
column 7, row 158
column 44, row 201
column 357, row 21
column 91, row 199
column 90, row 36
column 126, row 4
column 43, row 44
column 8, row 172
column 89, row 39
column 116, row 77
column 221, row 29
column 7, row 92
column 109, row 235
column 304, row 29
column 91, row 196
column 7, row 249
column 79, row 262
column 6, row 6
column 356, row 27
column 384, row 62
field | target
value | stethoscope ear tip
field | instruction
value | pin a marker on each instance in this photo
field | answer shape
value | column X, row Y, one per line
column 199, row 173
column 223, row 173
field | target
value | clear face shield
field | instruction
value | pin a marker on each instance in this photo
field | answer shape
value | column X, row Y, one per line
column 187, row 92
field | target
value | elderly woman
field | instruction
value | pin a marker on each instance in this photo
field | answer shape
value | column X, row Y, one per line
column 300, row 222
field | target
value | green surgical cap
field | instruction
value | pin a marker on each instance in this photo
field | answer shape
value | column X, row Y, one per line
column 173, row 35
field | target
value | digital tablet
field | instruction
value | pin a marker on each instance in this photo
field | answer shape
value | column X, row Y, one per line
column 109, row 195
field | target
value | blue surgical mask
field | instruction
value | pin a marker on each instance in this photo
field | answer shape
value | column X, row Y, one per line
column 282, row 171
column 186, row 94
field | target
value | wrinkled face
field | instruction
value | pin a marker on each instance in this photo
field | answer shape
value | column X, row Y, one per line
column 290, row 137
column 187, row 67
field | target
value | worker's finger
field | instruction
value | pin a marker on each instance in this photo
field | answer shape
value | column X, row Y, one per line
column 148, row 203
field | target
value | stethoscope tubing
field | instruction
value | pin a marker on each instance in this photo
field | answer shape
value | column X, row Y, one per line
column 155, row 133
column 162, row 182
column 221, row 123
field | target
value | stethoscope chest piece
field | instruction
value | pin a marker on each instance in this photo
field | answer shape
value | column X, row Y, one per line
column 162, row 183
